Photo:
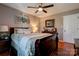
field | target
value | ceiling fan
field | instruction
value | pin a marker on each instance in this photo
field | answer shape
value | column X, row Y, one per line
column 41, row 7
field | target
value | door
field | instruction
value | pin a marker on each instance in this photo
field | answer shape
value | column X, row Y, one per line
column 71, row 27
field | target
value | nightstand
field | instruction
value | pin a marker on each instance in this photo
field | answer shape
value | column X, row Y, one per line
column 4, row 45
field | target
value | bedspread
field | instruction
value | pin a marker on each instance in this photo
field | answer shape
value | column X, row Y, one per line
column 25, row 43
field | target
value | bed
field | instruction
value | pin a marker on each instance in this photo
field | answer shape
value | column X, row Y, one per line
column 31, row 44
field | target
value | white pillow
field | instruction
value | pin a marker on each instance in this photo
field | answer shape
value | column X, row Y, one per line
column 19, row 31
column 26, row 31
column 23, row 31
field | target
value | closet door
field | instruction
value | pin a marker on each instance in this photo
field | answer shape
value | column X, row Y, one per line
column 70, row 27
column 76, row 26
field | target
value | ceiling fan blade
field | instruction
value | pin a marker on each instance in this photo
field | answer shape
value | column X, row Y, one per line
column 48, row 6
column 44, row 11
column 36, row 11
column 31, row 7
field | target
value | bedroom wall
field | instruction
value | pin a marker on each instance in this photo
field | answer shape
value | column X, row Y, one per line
column 58, row 21
column 7, row 16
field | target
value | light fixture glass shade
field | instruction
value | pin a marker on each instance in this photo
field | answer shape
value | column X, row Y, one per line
column 40, row 9
column 4, row 28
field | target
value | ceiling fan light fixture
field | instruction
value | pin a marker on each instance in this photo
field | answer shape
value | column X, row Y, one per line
column 40, row 9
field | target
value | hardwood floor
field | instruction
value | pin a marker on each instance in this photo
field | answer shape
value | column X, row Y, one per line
column 5, row 53
column 64, row 49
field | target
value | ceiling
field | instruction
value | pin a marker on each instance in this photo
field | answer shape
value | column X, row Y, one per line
column 58, row 8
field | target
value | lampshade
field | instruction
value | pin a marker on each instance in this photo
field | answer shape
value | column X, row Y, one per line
column 4, row 28
column 34, row 28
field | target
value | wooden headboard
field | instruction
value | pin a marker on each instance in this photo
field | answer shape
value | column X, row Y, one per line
column 11, row 30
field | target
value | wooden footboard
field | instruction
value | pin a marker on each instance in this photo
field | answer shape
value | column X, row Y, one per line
column 37, row 48
column 43, row 47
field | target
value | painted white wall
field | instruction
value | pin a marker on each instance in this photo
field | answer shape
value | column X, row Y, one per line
column 71, row 27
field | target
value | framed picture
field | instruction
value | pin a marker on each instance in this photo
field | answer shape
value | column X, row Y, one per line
column 49, row 23
column 22, row 19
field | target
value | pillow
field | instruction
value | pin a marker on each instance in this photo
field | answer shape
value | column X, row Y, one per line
column 19, row 31
column 26, row 31
column 22, row 31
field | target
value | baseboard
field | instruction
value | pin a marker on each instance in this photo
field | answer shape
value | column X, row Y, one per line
column 69, row 43
column 65, row 42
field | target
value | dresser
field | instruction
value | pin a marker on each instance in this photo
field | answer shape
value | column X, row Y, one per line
column 4, row 45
